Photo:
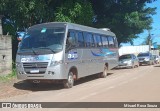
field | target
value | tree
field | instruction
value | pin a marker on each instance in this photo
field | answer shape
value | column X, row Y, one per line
column 75, row 11
column 126, row 18
column 21, row 14
column 25, row 13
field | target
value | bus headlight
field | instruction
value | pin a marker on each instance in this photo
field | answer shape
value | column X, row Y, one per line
column 54, row 63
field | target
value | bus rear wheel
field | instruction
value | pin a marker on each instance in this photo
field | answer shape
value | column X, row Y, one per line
column 70, row 81
column 104, row 73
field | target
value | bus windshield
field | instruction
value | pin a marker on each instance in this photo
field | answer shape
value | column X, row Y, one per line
column 47, row 39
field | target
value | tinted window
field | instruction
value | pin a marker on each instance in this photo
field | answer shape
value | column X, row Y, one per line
column 71, row 34
column 111, row 41
column 43, row 37
column 97, row 40
column 80, row 39
column 104, row 41
column 88, row 39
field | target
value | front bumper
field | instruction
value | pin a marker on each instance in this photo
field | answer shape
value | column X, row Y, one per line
column 144, row 62
column 51, row 73
column 124, row 65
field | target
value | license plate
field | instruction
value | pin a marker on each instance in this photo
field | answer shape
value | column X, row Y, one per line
column 34, row 71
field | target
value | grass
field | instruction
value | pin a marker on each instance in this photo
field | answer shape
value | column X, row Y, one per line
column 8, row 77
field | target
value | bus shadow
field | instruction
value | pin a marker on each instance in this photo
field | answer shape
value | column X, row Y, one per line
column 23, row 85
column 157, row 66
column 90, row 78
column 109, row 74
column 87, row 79
column 122, row 68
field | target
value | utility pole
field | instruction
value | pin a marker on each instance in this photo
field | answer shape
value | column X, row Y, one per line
column 149, row 40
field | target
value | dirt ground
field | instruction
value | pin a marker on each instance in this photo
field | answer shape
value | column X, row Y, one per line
column 15, row 87
column 120, row 85
column 7, row 89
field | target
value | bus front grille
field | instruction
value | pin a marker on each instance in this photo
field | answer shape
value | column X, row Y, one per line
column 41, row 66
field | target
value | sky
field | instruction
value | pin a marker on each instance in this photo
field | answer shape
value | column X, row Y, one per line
column 155, row 32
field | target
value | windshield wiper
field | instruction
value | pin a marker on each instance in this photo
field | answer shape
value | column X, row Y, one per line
column 34, row 51
column 27, row 50
column 47, row 48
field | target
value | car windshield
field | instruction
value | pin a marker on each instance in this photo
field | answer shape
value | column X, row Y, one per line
column 125, row 57
column 47, row 39
column 143, row 54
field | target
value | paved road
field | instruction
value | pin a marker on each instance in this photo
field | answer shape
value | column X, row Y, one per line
column 124, row 85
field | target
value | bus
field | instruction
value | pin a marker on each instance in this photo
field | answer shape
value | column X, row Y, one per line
column 65, row 52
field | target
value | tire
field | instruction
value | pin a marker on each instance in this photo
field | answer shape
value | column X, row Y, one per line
column 70, row 81
column 104, row 73
column 137, row 65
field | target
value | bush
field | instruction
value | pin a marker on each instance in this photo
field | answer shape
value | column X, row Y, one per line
column 9, row 76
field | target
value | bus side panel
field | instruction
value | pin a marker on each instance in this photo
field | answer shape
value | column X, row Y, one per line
column 74, row 58
column 113, row 59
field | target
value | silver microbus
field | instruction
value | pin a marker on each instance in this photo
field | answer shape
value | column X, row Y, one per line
column 65, row 52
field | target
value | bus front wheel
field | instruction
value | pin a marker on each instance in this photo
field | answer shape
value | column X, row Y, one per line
column 70, row 81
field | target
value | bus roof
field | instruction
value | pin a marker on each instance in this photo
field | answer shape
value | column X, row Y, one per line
column 75, row 27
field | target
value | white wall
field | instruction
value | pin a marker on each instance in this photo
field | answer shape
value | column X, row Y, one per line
column 133, row 49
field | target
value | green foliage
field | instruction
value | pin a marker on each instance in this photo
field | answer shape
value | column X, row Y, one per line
column 75, row 12
column 126, row 18
column 8, row 77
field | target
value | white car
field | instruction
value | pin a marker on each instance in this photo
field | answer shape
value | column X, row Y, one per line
column 128, row 61
column 156, row 59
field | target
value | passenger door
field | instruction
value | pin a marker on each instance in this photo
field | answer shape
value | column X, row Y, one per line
column 72, row 54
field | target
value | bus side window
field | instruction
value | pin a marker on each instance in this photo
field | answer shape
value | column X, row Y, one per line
column 97, row 40
column 80, row 39
column 105, row 41
column 87, row 44
column 71, row 39
column 111, row 41
column 91, row 40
